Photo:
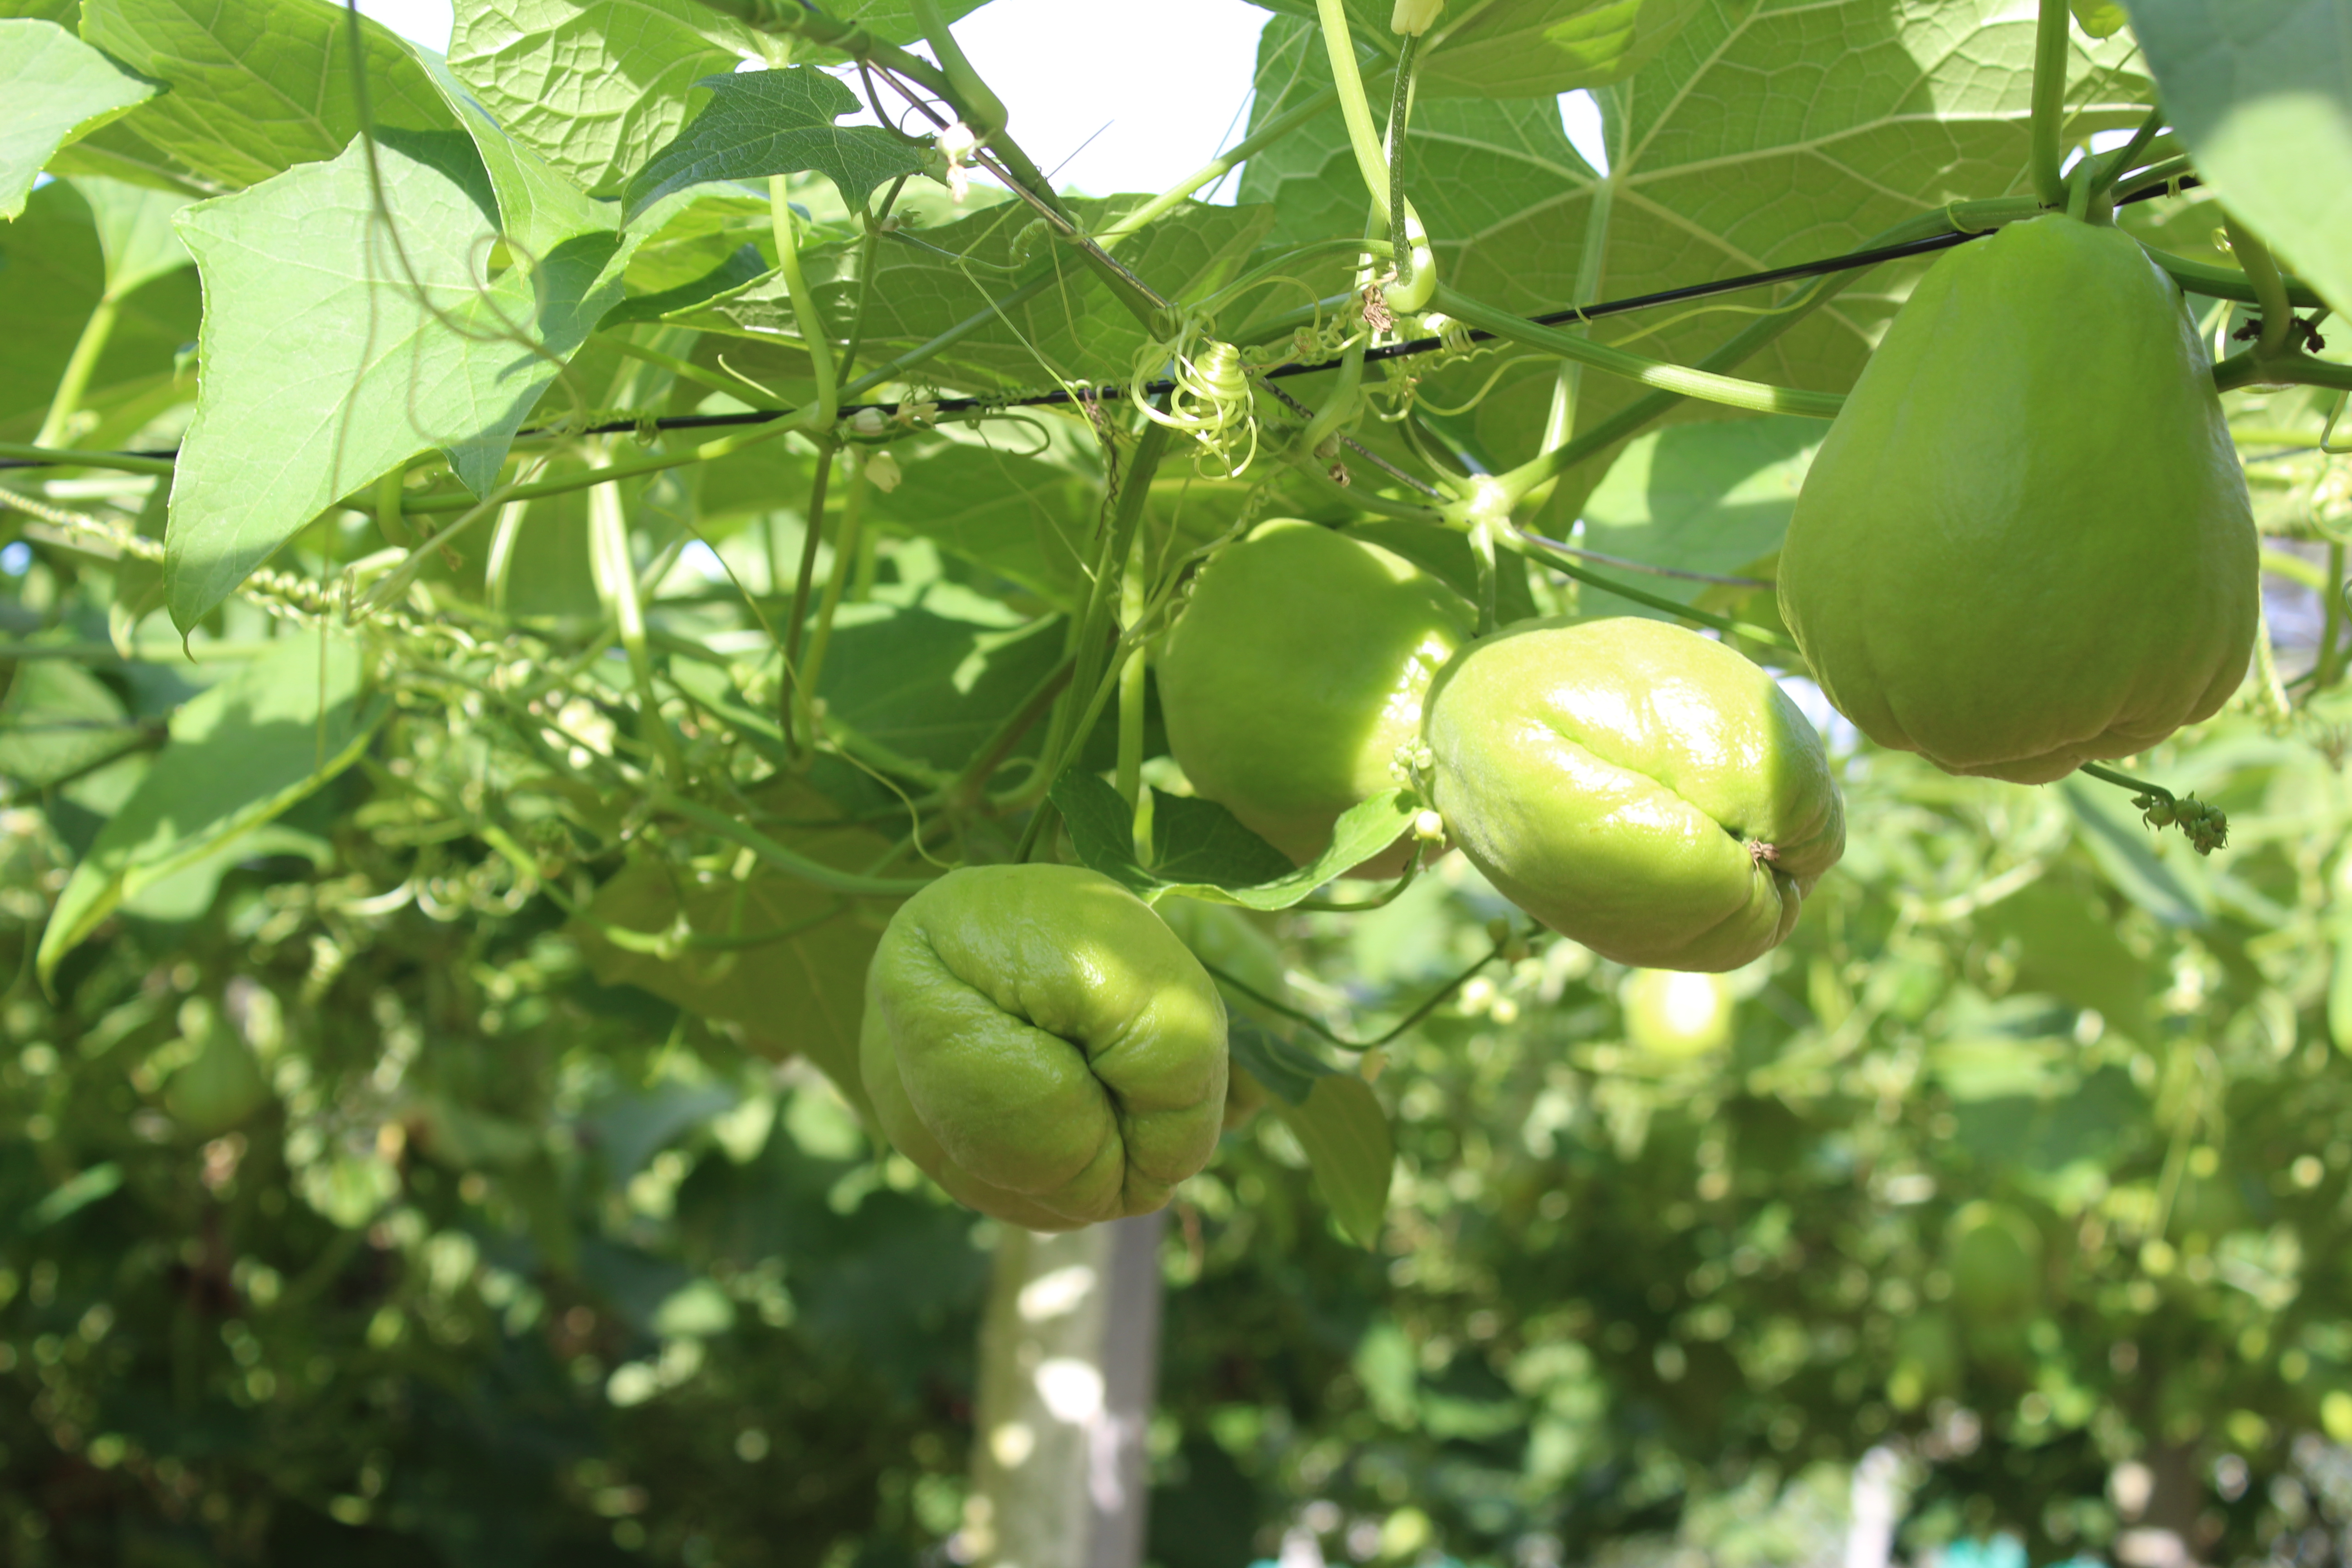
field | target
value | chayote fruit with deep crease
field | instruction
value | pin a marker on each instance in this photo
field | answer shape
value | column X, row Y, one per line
column 1635, row 786
column 1043, row 1046
column 1296, row 670
column 2025, row 543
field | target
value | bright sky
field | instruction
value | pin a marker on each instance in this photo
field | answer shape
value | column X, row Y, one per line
column 1066, row 68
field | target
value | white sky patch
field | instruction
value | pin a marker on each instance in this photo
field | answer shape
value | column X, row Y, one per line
column 1580, row 116
column 426, row 21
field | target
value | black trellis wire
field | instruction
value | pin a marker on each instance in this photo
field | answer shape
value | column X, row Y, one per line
column 1058, row 396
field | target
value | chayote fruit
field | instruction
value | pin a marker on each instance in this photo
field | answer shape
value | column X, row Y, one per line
column 1295, row 672
column 1635, row 786
column 2025, row 543
column 1043, row 1046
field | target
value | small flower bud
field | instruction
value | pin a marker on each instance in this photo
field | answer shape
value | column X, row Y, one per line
column 882, row 471
column 1415, row 17
column 1429, row 826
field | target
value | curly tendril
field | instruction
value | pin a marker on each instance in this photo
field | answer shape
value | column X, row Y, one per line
column 1210, row 402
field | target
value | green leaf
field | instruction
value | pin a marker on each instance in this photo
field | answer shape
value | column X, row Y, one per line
column 1521, row 49
column 2067, row 947
column 330, row 356
column 1711, row 498
column 2262, row 93
column 240, row 753
column 804, row 992
column 59, row 720
column 1901, row 112
column 760, row 123
column 1200, row 850
column 56, row 269
column 58, row 89
column 1288, row 1070
column 134, row 231
column 593, row 89
column 116, row 152
column 261, row 86
column 928, row 280
column 2156, row 871
column 1349, row 1147
column 918, row 691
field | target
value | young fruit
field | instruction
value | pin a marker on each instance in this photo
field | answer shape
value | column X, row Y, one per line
column 1635, row 786
column 1296, row 671
column 1677, row 1017
column 2025, row 543
column 1043, row 1046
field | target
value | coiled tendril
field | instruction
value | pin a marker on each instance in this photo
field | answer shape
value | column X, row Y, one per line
column 1211, row 401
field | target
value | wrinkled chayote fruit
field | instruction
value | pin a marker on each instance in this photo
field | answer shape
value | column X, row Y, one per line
column 2025, row 543
column 1043, row 1046
column 1635, row 786
column 1295, row 673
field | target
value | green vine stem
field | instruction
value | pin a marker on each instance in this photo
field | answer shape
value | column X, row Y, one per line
column 820, row 416
column 1400, row 114
column 2049, row 51
column 791, row 702
column 1132, row 596
column 390, row 490
column 2330, row 667
column 1435, row 1000
column 1591, row 268
column 2113, row 166
column 1090, row 633
column 1554, row 554
column 870, row 250
column 1682, row 380
column 616, row 584
column 847, row 540
column 72, row 458
column 66, row 401
column 982, row 112
column 1355, row 109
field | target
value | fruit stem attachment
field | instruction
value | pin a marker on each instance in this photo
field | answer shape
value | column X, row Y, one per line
column 2113, row 167
column 2050, row 42
column 2207, row 827
column 1363, row 136
column 2270, row 289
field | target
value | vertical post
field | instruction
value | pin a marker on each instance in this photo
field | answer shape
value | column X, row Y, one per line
column 1069, row 1356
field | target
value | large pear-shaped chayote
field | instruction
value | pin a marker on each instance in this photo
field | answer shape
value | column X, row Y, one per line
column 1295, row 673
column 1043, row 1046
column 1635, row 786
column 2025, row 543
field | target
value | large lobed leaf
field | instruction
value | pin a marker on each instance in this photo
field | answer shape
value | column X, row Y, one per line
column 2262, row 93
column 597, row 87
column 1761, row 134
column 1516, row 48
column 58, row 89
column 260, row 85
column 775, row 122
